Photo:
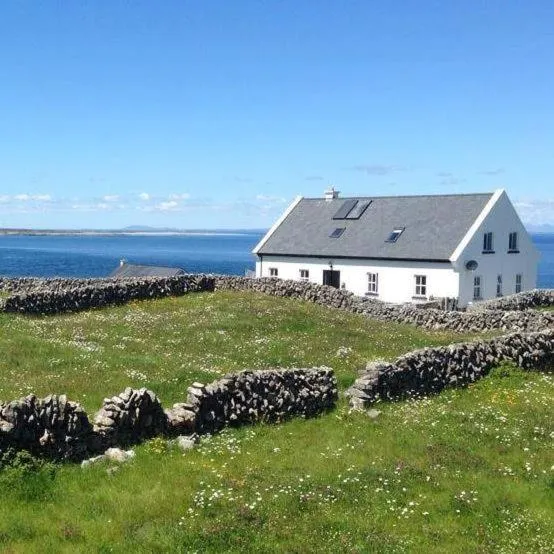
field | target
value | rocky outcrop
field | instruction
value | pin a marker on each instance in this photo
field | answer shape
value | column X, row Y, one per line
column 430, row 370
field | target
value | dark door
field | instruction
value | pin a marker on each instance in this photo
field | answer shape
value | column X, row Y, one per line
column 331, row 278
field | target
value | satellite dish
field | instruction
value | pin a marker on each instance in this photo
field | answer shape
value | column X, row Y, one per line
column 471, row 265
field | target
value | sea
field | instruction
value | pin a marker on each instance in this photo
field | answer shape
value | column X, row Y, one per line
column 96, row 255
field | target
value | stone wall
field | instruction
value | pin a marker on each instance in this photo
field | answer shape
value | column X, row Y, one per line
column 269, row 396
column 429, row 318
column 56, row 428
column 430, row 370
column 535, row 298
column 40, row 296
column 70, row 295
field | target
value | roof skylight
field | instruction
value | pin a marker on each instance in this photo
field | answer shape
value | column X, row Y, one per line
column 358, row 210
column 393, row 237
column 345, row 209
column 337, row 232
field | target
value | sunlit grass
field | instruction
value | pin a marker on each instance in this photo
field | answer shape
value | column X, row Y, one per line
column 470, row 470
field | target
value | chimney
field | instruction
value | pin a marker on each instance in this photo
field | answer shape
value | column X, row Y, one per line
column 331, row 194
column 122, row 262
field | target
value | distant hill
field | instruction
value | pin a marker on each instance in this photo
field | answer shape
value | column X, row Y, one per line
column 149, row 229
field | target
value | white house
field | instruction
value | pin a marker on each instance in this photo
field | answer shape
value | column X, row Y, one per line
column 403, row 248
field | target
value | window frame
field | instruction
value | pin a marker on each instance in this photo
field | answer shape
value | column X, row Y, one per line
column 488, row 243
column 273, row 272
column 513, row 243
column 519, row 283
column 420, row 286
column 305, row 277
column 478, row 286
column 372, row 283
column 499, row 286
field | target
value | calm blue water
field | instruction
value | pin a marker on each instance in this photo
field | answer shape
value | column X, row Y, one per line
column 97, row 256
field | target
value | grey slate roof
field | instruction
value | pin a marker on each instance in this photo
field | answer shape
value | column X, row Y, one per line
column 126, row 270
column 434, row 226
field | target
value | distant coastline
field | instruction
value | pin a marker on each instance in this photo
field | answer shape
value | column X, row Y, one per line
column 136, row 231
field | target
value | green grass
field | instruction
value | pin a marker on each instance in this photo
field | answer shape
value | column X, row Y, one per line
column 470, row 470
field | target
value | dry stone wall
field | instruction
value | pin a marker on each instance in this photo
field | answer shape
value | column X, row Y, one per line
column 50, row 296
column 429, row 318
column 129, row 417
column 269, row 396
column 535, row 298
column 430, row 370
column 53, row 426
column 56, row 428
column 68, row 295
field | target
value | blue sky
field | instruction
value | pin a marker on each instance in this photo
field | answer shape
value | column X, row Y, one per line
column 215, row 114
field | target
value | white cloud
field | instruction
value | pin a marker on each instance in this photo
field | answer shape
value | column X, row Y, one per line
column 144, row 196
column 111, row 198
column 183, row 196
column 32, row 197
column 271, row 199
column 536, row 212
column 166, row 206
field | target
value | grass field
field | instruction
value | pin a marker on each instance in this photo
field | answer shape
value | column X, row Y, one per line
column 469, row 470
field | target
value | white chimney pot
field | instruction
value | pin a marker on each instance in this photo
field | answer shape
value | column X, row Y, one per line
column 331, row 194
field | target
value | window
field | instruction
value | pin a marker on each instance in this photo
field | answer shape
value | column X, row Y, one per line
column 487, row 243
column 477, row 288
column 512, row 243
column 373, row 283
column 337, row 232
column 304, row 274
column 421, row 285
column 358, row 210
column 393, row 237
column 519, row 282
column 499, row 285
column 273, row 272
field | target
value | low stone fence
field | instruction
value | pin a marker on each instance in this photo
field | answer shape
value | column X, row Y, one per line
column 268, row 396
column 430, row 370
column 68, row 295
column 536, row 298
column 56, row 428
column 52, row 296
column 429, row 318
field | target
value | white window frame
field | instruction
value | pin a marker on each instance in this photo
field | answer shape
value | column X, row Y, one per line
column 519, row 283
column 477, row 287
column 488, row 242
column 274, row 272
column 420, row 286
column 373, row 283
column 499, row 285
column 513, row 240
column 304, row 274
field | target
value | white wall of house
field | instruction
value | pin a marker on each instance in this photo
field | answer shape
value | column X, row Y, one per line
column 396, row 279
column 501, row 220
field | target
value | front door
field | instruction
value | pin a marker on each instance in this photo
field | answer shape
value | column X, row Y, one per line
column 331, row 278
